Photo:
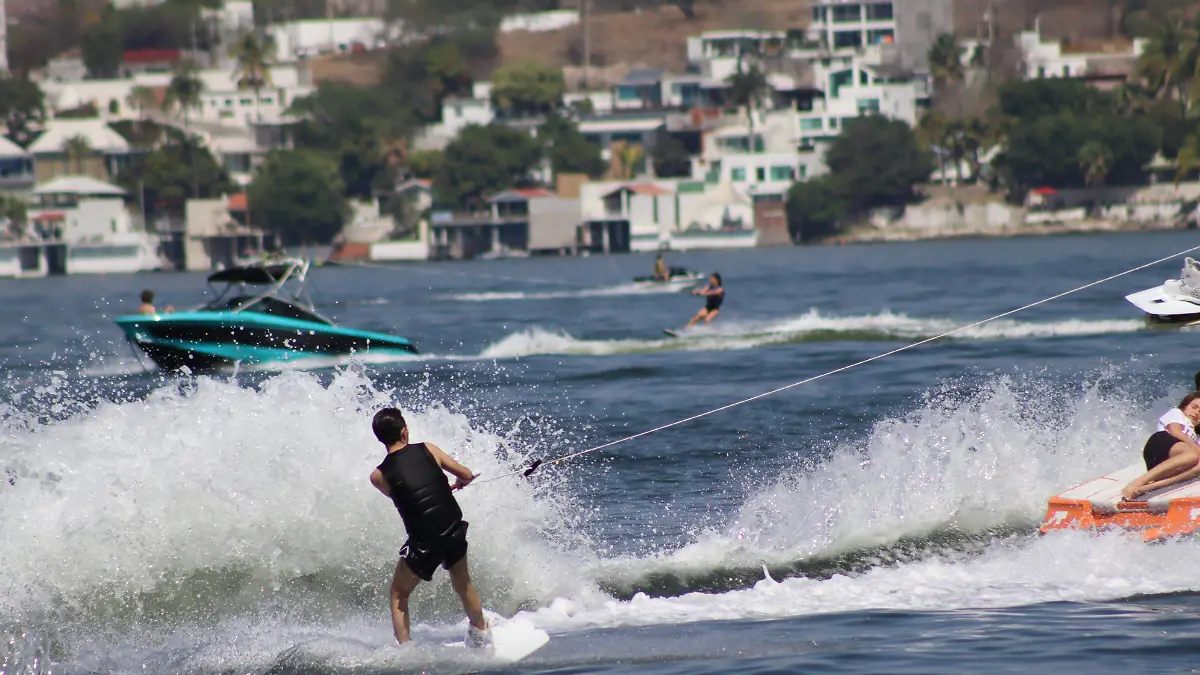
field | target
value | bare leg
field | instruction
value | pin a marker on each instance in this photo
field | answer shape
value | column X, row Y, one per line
column 711, row 315
column 1181, row 458
column 403, row 583
column 460, row 579
column 699, row 315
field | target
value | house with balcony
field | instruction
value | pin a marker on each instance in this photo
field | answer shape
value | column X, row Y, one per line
column 898, row 33
column 100, row 151
column 515, row 223
column 718, row 53
column 635, row 128
column 851, row 89
column 657, row 89
column 458, row 112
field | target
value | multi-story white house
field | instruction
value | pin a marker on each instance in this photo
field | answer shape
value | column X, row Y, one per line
column 852, row 88
column 903, row 28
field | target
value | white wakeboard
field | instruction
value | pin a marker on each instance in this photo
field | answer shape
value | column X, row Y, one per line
column 511, row 641
column 1158, row 302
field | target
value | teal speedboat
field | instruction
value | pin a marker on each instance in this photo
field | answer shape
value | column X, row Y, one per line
column 276, row 324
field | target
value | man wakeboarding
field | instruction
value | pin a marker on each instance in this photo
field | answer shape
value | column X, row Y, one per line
column 413, row 476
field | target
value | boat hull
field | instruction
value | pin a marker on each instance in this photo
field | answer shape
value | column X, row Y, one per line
column 1096, row 505
column 215, row 340
column 1164, row 309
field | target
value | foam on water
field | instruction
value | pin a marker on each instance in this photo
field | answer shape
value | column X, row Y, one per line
column 269, row 484
column 809, row 327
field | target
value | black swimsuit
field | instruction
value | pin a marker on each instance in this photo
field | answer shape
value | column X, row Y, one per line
column 713, row 302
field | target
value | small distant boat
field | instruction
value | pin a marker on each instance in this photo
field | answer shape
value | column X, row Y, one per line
column 275, row 324
column 1174, row 303
column 1173, row 511
column 679, row 279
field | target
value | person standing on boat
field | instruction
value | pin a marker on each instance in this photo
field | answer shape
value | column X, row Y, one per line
column 1172, row 453
column 714, row 294
column 661, row 271
column 413, row 476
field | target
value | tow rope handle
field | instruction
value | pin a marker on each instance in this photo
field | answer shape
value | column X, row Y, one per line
column 532, row 467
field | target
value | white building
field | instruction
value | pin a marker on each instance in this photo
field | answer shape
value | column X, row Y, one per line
column 904, row 29
column 101, row 235
column 851, row 88
column 718, row 52
column 302, row 39
column 540, row 22
column 458, row 112
column 1100, row 62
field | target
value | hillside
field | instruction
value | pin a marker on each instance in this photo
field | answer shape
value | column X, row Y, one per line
column 650, row 38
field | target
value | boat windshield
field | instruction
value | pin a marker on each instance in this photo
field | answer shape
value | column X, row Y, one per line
column 272, row 306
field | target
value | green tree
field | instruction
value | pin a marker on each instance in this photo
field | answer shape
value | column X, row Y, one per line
column 298, row 195
column 165, row 178
column 879, row 161
column 352, row 124
column 1187, row 161
column 748, row 87
column 143, row 99
column 945, row 60
column 184, row 90
column 14, row 209
column 527, row 88
column 425, row 163
column 254, row 57
column 77, row 150
column 815, row 207
column 1165, row 61
column 932, row 130
column 22, row 104
column 628, row 156
column 671, row 158
column 568, row 150
column 484, row 160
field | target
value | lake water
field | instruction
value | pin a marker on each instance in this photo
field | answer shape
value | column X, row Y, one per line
column 882, row 519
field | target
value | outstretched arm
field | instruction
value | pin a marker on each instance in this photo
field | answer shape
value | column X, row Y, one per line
column 462, row 473
column 380, row 484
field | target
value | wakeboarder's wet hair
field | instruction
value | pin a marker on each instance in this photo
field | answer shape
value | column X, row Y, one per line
column 389, row 426
column 1188, row 399
column 147, row 296
column 717, row 276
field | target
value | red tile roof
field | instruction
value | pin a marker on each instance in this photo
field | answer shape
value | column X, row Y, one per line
column 151, row 56
column 237, row 202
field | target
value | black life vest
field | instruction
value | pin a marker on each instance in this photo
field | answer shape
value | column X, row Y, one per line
column 420, row 492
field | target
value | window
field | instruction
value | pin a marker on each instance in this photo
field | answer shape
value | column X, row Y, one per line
column 228, row 102
column 811, row 124
column 627, row 93
column 1066, row 71
column 846, row 13
column 803, row 171
column 782, row 173
column 760, row 174
column 266, row 99
column 844, row 39
column 458, row 111
column 879, row 11
column 246, row 101
column 833, row 122
column 737, row 174
column 868, row 105
column 818, row 15
column 885, row 36
column 1041, row 71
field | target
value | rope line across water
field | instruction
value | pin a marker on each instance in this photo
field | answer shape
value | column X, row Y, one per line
column 530, row 468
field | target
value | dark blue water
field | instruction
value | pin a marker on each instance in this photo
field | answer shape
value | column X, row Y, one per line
column 881, row 519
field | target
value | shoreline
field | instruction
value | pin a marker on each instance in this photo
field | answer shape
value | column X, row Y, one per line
column 872, row 234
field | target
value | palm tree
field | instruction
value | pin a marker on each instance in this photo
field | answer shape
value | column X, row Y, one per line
column 945, row 60
column 1131, row 98
column 77, row 149
column 627, row 156
column 1187, row 160
column 393, row 152
column 254, row 58
column 932, row 129
column 184, row 90
column 1164, row 60
column 747, row 88
column 143, row 99
column 1095, row 159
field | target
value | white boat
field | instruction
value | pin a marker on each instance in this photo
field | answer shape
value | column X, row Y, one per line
column 1096, row 505
column 1175, row 302
column 118, row 253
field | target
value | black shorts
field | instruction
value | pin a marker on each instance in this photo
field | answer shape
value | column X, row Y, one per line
column 424, row 557
column 1158, row 448
column 714, row 302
